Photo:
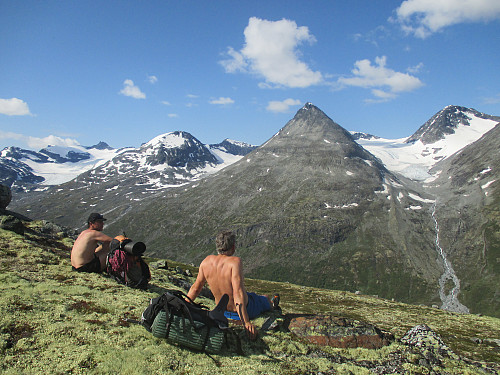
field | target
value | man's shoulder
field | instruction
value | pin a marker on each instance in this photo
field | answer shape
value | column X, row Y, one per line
column 217, row 259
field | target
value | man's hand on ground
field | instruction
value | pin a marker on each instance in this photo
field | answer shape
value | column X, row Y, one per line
column 251, row 330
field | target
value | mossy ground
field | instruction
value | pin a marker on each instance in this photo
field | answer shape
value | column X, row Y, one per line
column 55, row 321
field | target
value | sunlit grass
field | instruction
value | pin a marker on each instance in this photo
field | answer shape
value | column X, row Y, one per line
column 53, row 320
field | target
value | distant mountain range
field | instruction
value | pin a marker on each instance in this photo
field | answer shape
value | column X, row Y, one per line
column 413, row 219
column 168, row 155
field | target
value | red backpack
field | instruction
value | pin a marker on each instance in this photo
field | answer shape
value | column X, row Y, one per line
column 125, row 264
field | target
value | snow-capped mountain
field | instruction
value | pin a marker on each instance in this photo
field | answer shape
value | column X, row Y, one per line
column 446, row 133
column 312, row 205
column 52, row 165
column 55, row 165
column 167, row 160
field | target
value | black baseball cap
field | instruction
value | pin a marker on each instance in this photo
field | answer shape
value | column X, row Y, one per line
column 94, row 217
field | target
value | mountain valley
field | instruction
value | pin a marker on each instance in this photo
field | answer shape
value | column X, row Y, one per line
column 416, row 220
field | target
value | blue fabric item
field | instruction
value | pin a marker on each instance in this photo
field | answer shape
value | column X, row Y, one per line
column 256, row 306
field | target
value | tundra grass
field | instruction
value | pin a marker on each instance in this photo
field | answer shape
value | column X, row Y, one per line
column 54, row 320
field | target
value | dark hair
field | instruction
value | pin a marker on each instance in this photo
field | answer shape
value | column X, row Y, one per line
column 225, row 242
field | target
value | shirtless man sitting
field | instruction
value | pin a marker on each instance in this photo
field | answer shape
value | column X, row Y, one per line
column 87, row 255
column 224, row 274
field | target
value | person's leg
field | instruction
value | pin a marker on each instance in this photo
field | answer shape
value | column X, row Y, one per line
column 274, row 301
column 101, row 254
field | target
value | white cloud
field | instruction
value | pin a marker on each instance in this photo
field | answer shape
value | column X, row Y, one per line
column 385, row 83
column 236, row 63
column 222, row 101
column 39, row 143
column 11, row 135
column 283, row 106
column 415, row 69
column 53, row 140
column 152, row 79
column 425, row 17
column 129, row 89
column 14, row 107
column 271, row 52
column 173, row 115
column 492, row 99
column 382, row 96
column 165, row 102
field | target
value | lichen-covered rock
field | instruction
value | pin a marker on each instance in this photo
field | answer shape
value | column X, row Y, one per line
column 328, row 330
column 9, row 222
column 423, row 338
column 5, row 196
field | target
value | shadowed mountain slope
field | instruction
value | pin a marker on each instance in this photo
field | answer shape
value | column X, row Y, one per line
column 310, row 206
column 468, row 212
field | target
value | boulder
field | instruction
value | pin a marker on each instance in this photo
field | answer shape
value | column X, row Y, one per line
column 339, row 332
column 9, row 222
column 5, row 196
column 423, row 338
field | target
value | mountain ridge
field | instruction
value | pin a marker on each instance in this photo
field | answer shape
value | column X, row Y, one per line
column 314, row 206
column 53, row 165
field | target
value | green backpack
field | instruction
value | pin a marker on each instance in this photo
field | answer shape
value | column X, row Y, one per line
column 188, row 324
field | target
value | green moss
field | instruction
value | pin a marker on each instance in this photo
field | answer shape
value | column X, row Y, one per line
column 53, row 320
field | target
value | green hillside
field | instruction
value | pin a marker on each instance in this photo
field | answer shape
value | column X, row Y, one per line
column 55, row 321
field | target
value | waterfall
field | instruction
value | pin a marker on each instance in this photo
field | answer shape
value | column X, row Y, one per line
column 449, row 301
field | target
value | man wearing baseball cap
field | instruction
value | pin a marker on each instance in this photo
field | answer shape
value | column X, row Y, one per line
column 91, row 247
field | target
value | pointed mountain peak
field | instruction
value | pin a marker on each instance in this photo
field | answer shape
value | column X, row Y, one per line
column 446, row 122
column 100, row 146
column 312, row 124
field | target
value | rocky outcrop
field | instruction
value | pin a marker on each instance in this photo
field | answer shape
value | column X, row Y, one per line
column 5, row 196
column 328, row 330
column 423, row 339
column 9, row 222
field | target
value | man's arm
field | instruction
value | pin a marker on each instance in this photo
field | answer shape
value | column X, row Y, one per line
column 101, row 237
column 104, row 239
column 196, row 288
column 241, row 298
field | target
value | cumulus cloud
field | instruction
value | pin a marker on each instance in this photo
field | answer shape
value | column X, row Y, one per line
column 271, row 52
column 14, row 107
column 283, row 106
column 384, row 82
column 52, row 140
column 173, row 115
column 222, row 101
column 152, row 79
column 38, row 143
column 129, row 89
column 425, row 17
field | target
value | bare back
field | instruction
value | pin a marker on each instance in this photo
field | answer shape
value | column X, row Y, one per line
column 86, row 245
column 224, row 275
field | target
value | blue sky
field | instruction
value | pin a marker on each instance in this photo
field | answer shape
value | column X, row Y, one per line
column 78, row 72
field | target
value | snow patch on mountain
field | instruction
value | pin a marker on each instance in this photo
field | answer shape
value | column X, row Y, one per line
column 415, row 159
column 58, row 164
